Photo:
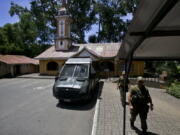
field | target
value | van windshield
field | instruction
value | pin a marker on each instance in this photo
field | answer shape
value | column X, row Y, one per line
column 81, row 71
column 72, row 70
column 68, row 71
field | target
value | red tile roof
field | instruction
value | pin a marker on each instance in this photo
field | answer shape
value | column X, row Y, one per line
column 104, row 50
column 17, row 59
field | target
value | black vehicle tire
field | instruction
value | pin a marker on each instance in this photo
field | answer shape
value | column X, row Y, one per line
column 90, row 96
column 97, row 85
column 61, row 101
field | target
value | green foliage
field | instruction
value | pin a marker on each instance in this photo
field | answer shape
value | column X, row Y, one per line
column 40, row 19
column 171, row 67
column 174, row 89
column 178, row 68
column 83, row 15
column 10, row 40
column 24, row 37
column 17, row 10
column 92, row 39
column 44, row 12
column 35, row 49
column 20, row 38
column 110, row 12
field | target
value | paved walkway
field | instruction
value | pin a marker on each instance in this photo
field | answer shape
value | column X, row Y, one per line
column 163, row 120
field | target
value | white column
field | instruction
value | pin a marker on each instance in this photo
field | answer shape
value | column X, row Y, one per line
column 12, row 70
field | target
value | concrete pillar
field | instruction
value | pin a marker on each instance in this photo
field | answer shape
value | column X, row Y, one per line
column 12, row 70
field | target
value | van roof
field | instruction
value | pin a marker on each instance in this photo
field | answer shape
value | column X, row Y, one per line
column 78, row 61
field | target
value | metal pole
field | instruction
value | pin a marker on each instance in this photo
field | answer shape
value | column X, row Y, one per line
column 128, row 63
column 124, row 104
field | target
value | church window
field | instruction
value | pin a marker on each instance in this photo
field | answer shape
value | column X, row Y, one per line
column 61, row 43
column 61, row 28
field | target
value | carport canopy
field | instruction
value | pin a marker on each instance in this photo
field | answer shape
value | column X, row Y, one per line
column 154, row 33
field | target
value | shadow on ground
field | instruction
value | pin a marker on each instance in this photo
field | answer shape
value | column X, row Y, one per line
column 139, row 132
column 82, row 105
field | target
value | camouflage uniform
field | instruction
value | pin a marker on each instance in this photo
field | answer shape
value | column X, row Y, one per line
column 121, row 88
column 142, row 108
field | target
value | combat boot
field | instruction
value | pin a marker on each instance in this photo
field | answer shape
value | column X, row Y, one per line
column 132, row 125
column 144, row 132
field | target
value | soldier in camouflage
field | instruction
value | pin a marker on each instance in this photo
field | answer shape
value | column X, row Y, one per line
column 139, row 100
column 120, row 86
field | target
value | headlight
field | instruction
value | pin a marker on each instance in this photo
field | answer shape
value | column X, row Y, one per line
column 84, row 88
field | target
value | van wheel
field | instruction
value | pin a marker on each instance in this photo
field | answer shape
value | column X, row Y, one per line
column 97, row 85
column 61, row 101
column 90, row 96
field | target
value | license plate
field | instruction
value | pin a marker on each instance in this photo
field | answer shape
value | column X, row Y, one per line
column 67, row 100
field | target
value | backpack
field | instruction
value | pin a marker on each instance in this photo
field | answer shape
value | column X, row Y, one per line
column 137, row 99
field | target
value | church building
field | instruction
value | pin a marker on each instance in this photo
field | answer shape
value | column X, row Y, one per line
column 104, row 55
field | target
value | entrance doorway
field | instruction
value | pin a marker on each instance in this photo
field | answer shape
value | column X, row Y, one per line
column 17, row 69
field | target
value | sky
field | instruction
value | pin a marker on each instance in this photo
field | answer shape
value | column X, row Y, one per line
column 4, row 10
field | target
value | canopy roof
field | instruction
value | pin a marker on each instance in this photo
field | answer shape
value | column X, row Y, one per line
column 154, row 32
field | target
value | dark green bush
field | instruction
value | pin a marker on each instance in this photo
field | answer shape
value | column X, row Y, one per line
column 174, row 89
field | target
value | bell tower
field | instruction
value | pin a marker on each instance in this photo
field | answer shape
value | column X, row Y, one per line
column 63, row 38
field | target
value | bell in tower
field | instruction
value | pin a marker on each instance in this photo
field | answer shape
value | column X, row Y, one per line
column 63, row 38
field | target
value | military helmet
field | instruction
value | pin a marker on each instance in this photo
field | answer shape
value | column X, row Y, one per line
column 123, row 72
column 140, row 79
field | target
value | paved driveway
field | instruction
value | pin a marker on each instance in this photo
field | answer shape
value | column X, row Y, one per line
column 27, row 107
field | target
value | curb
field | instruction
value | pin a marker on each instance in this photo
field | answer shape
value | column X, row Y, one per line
column 94, row 127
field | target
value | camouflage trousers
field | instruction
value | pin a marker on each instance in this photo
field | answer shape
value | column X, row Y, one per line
column 122, row 96
column 142, row 111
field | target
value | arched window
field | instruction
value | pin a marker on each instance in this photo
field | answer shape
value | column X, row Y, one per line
column 52, row 66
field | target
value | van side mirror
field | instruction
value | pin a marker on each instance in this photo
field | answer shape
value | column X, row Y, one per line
column 93, row 75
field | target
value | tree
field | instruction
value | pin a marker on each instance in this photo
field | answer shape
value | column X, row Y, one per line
column 44, row 12
column 110, row 12
column 42, row 15
column 92, row 39
column 83, row 15
column 11, row 40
